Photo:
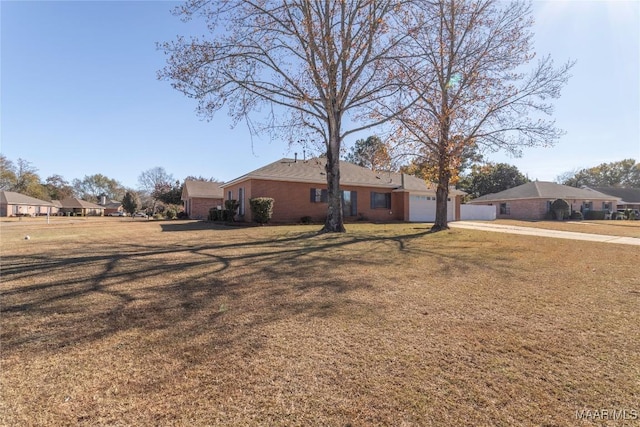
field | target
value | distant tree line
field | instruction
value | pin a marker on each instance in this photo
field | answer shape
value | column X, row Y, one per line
column 156, row 190
column 625, row 173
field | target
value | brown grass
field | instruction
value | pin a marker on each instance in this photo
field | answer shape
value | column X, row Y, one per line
column 612, row 228
column 186, row 323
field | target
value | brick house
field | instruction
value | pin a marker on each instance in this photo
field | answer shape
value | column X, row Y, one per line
column 74, row 206
column 532, row 201
column 299, row 190
column 17, row 204
column 200, row 196
column 629, row 198
column 110, row 206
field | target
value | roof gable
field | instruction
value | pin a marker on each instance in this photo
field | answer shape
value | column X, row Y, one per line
column 74, row 202
column 13, row 198
column 202, row 189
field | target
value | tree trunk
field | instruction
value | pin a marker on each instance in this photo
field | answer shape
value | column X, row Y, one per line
column 334, row 222
column 442, row 194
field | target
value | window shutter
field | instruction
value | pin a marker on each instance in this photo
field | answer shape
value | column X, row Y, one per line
column 387, row 201
column 354, row 203
column 373, row 200
column 313, row 195
column 323, row 196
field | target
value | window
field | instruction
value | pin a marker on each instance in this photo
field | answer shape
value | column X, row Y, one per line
column 505, row 209
column 606, row 206
column 349, row 203
column 241, row 201
column 318, row 195
column 380, row 200
column 587, row 206
column 230, row 195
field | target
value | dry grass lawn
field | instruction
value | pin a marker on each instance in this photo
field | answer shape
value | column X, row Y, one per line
column 135, row 323
column 614, row 228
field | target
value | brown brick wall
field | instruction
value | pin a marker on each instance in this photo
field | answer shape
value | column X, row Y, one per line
column 199, row 207
column 292, row 201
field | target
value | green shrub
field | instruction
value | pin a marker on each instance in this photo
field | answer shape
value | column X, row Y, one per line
column 158, row 216
column 560, row 208
column 306, row 220
column 594, row 215
column 576, row 215
column 171, row 213
column 261, row 209
column 215, row 214
column 230, row 210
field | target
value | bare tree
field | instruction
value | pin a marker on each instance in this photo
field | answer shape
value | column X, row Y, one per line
column 477, row 83
column 154, row 182
column 314, row 63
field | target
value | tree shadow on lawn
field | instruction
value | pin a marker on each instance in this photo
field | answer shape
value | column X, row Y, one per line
column 51, row 301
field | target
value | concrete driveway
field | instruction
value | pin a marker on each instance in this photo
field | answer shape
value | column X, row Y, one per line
column 513, row 229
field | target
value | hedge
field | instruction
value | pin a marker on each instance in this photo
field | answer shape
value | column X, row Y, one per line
column 261, row 209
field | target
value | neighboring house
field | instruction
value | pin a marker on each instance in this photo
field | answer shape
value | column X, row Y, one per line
column 56, row 207
column 200, row 196
column 17, row 204
column 629, row 197
column 533, row 200
column 72, row 206
column 299, row 190
column 110, row 206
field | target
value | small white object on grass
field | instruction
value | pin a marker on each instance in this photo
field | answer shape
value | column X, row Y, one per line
column 27, row 237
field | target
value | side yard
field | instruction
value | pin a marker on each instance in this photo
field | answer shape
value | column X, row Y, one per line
column 623, row 228
column 187, row 323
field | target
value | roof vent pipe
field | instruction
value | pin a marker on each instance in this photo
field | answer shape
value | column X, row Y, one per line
column 295, row 157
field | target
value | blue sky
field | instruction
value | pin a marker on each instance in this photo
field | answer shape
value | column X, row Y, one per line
column 79, row 93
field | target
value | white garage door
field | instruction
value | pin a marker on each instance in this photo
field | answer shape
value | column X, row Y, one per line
column 423, row 208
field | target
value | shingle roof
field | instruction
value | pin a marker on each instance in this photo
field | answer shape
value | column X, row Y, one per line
column 313, row 171
column 202, row 189
column 13, row 198
column 628, row 195
column 543, row 190
column 111, row 204
column 75, row 203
